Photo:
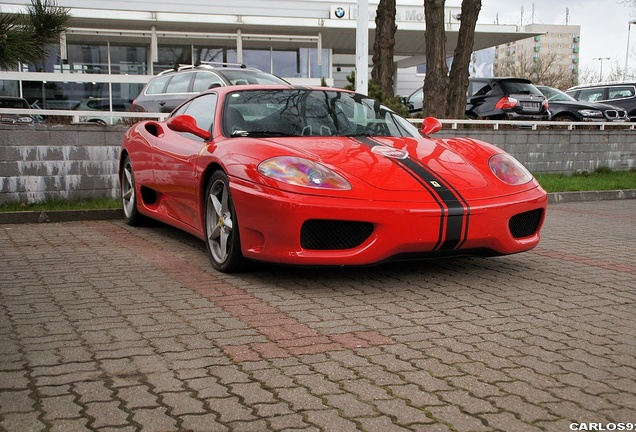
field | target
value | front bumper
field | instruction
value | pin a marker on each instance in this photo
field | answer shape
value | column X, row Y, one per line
column 273, row 227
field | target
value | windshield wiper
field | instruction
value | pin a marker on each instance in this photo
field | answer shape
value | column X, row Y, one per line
column 259, row 133
column 364, row 134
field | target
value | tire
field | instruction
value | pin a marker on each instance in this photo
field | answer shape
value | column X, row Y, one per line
column 566, row 118
column 128, row 194
column 222, row 238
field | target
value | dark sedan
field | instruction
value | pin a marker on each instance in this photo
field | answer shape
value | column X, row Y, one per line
column 565, row 108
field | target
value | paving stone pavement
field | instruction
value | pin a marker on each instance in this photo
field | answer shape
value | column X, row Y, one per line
column 105, row 327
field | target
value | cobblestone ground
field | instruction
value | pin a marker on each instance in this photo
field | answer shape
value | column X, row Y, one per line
column 105, row 327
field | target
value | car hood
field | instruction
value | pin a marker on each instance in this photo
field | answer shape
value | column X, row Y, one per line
column 390, row 163
column 585, row 105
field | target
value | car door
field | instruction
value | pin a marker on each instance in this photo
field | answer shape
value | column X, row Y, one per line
column 177, row 91
column 623, row 96
column 175, row 159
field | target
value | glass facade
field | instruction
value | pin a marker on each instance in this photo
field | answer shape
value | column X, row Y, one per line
column 112, row 59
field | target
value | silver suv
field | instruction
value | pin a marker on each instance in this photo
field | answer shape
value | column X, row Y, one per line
column 170, row 88
column 621, row 94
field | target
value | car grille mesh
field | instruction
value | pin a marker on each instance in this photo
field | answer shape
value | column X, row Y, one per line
column 525, row 224
column 323, row 234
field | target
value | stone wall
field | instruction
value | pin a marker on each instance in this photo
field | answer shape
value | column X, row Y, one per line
column 39, row 162
column 561, row 151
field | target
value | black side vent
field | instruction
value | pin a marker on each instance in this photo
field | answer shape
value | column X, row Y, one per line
column 324, row 234
column 525, row 224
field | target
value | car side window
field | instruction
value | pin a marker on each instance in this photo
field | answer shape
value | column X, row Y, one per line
column 483, row 91
column 157, row 85
column 205, row 80
column 620, row 93
column 203, row 109
column 179, row 83
column 591, row 95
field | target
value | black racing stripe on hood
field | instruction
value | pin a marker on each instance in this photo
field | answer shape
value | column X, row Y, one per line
column 455, row 211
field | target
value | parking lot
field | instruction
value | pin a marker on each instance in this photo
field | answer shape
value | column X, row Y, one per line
column 107, row 327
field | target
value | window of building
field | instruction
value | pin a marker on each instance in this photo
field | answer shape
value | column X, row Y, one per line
column 171, row 55
column 128, row 59
column 69, row 95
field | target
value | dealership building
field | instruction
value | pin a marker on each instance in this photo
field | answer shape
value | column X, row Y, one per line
column 111, row 49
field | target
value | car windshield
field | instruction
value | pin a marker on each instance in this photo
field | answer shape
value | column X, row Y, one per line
column 306, row 112
column 556, row 95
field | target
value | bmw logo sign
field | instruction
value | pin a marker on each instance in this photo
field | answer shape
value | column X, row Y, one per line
column 339, row 12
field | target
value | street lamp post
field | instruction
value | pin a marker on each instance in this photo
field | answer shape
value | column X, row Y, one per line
column 601, row 59
column 629, row 27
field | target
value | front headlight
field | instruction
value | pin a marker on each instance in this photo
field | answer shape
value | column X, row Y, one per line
column 302, row 172
column 509, row 170
column 591, row 113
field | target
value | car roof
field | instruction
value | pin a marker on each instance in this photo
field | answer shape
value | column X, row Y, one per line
column 12, row 98
column 603, row 84
column 254, row 87
column 218, row 67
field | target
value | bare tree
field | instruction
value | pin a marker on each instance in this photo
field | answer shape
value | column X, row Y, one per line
column 458, row 79
column 629, row 3
column 444, row 95
column 544, row 70
column 436, row 80
column 383, row 47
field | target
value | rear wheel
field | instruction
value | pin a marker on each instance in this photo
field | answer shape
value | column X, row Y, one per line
column 129, row 194
column 221, row 226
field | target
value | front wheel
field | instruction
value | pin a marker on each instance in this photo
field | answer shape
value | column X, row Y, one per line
column 566, row 118
column 129, row 194
column 221, row 226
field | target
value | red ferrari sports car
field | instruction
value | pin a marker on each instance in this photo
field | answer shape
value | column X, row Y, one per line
column 323, row 176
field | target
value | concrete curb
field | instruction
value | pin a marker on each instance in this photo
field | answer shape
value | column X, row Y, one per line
column 105, row 214
column 20, row 217
column 564, row 197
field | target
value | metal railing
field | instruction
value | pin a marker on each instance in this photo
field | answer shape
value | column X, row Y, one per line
column 533, row 125
column 81, row 116
column 78, row 116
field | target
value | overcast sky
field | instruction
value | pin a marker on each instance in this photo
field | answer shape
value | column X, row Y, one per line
column 603, row 25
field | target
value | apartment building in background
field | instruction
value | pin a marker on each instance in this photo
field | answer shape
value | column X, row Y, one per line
column 555, row 46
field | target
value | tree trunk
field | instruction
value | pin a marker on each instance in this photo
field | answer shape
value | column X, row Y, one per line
column 436, row 81
column 383, row 45
column 458, row 79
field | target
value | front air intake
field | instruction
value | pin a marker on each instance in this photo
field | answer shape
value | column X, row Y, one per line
column 325, row 234
column 525, row 224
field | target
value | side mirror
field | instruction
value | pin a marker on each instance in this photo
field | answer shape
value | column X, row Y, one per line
column 187, row 123
column 431, row 125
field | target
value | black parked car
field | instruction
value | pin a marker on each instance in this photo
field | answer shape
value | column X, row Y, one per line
column 620, row 94
column 565, row 107
column 505, row 99
column 11, row 102
column 496, row 99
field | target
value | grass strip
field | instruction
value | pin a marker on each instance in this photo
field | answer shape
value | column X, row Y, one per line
column 602, row 179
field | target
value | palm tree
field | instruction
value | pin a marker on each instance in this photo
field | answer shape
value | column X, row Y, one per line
column 26, row 38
